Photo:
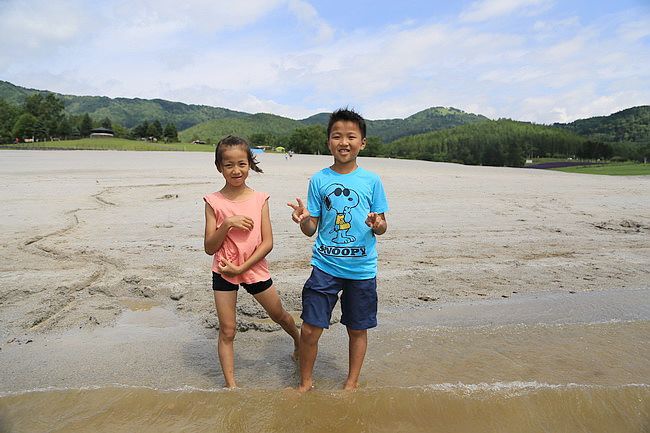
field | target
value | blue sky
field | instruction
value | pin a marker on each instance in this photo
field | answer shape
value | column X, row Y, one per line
column 536, row 60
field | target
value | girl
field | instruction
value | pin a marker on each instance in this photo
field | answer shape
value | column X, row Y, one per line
column 238, row 234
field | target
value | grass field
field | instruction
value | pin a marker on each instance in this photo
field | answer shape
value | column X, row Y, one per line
column 109, row 144
column 612, row 169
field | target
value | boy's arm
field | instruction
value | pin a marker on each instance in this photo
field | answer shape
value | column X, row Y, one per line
column 308, row 224
column 377, row 222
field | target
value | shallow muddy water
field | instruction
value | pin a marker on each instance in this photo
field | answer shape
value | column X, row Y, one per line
column 520, row 366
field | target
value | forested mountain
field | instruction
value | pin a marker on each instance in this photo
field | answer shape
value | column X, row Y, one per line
column 491, row 142
column 245, row 126
column 132, row 112
column 630, row 125
column 439, row 134
column 427, row 120
column 126, row 111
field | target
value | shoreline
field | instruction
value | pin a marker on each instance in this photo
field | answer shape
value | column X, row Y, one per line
column 156, row 348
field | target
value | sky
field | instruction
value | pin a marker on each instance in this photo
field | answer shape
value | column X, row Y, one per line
column 543, row 61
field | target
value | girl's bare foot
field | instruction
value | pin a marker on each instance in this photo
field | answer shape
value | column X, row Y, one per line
column 350, row 386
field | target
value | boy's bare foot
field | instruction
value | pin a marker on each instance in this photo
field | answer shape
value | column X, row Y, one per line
column 350, row 386
column 302, row 388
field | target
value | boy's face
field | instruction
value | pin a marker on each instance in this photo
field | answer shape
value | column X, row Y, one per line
column 345, row 142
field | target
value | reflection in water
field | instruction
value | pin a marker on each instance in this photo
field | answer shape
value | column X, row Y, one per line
column 513, row 378
column 503, row 407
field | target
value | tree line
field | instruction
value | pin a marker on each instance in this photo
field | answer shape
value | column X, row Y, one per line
column 501, row 142
column 42, row 117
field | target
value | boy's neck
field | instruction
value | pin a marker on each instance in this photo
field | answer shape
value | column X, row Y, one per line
column 344, row 168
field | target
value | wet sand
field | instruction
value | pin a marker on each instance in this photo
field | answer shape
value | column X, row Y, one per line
column 490, row 278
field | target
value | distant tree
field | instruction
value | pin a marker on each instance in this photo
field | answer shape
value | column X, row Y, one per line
column 373, row 147
column 514, row 156
column 170, row 133
column 155, row 130
column 25, row 126
column 48, row 110
column 106, row 123
column 65, row 128
column 311, row 139
column 8, row 115
column 86, row 126
column 262, row 139
column 32, row 104
column 141, row 130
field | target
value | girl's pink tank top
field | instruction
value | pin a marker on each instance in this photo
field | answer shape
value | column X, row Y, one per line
column 240, row 244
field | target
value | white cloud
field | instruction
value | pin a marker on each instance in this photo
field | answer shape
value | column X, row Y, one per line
column 484, row 10
column 35, row 27
column 255, row 57
column 309, row 17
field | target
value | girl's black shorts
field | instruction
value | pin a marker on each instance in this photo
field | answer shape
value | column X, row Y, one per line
column 221, row 285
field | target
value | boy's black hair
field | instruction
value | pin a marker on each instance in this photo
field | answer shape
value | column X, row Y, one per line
column 232, row 141
column 347, row 114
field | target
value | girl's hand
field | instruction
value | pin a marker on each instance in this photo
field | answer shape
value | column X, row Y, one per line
column 300, row 212
column 228, row 269
column 240, row 222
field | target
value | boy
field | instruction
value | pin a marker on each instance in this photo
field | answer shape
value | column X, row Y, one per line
column 346, row 205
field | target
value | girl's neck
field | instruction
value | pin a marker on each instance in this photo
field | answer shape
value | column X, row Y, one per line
column 235, row 192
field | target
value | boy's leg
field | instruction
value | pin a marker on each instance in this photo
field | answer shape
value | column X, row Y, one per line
column 357, row 352
column 359, row 307
column 309, row 336
column 270, row 301
column 226, row 303
column 319, row 296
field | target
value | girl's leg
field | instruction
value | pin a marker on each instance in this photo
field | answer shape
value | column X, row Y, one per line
column 226, row 303
column 357, row 352
column 270, row 301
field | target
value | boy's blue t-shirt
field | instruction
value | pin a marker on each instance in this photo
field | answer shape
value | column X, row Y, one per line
column 345, row 245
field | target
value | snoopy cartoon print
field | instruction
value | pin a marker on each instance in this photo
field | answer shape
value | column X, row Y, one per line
column 341, row 200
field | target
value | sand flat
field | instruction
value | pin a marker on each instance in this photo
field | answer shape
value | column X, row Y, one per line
column 89, row 238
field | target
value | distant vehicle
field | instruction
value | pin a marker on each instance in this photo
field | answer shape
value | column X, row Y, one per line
column 198, row 142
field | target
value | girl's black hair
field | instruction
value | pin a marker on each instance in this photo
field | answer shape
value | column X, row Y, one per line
column 232, row 141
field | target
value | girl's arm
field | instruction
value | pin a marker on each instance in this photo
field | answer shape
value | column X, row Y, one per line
column 214, row 237
column 263, row 248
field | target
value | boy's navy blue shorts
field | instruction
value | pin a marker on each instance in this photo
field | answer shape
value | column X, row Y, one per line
column 221, row 285
column 358, row 300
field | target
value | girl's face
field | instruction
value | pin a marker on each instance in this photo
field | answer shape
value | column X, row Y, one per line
column 234, row 166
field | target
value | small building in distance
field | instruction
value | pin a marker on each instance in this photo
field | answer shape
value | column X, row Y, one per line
column 101, row 133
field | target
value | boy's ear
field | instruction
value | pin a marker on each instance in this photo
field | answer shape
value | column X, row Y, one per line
column 363, row 143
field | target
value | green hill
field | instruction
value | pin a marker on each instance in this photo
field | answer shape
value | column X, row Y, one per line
column 244, row 126
column 126, row 111
column 427, row 120
column 630, row 125
column 388, row 130
column 491, row 142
